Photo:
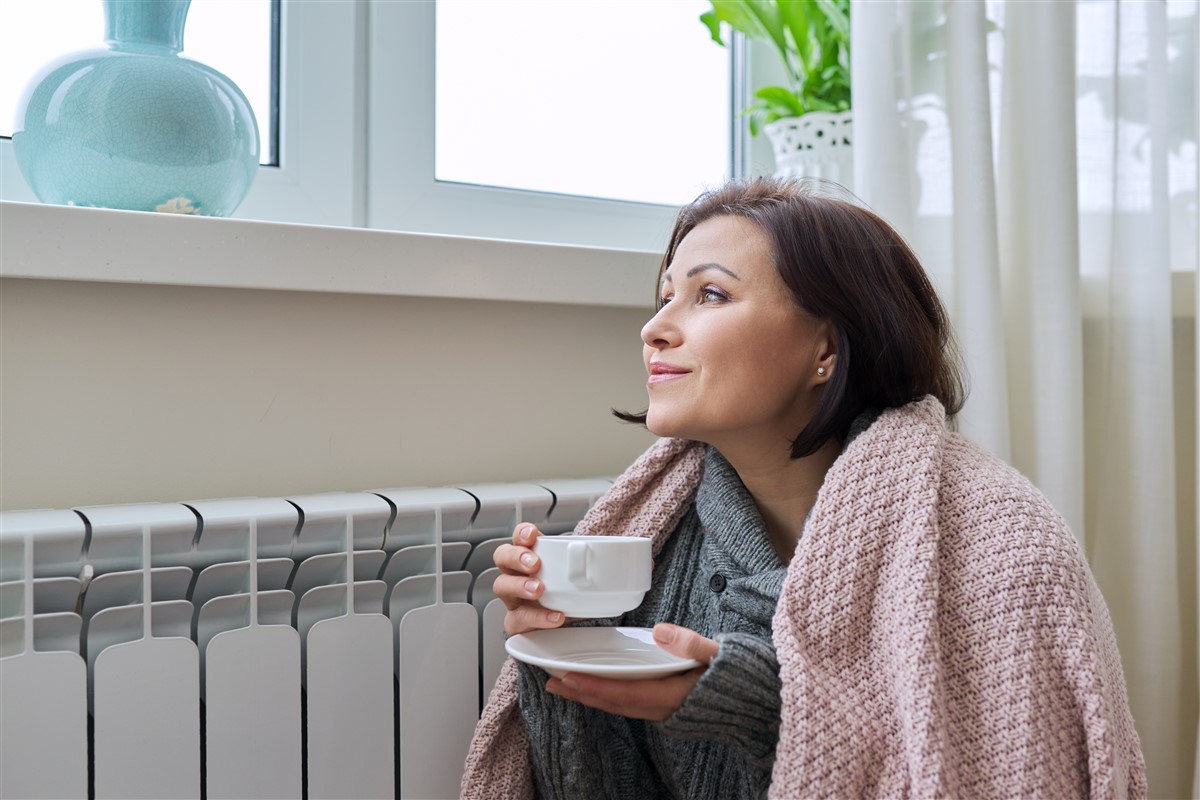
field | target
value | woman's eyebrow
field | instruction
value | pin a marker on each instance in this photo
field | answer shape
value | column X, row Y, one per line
column 701, row 268
column 711, row 265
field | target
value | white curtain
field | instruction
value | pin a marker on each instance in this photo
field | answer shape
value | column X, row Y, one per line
column 1041, row 158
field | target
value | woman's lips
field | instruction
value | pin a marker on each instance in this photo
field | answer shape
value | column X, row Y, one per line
column 661, row 373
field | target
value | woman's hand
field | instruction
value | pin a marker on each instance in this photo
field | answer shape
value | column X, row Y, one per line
column 517, row 587
column 654, row 699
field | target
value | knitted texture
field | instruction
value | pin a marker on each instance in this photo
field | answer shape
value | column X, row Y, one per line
column 649, row 498
column 718, row 575
column 943, row 613
column 737, row 700
column 939, row 632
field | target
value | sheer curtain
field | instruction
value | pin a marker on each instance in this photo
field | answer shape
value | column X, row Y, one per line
column 1041, row 157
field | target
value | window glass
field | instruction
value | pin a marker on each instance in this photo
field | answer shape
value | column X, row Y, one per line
column 623, row 101
column 236, row 37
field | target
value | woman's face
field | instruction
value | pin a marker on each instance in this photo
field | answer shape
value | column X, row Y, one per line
column 732, row 358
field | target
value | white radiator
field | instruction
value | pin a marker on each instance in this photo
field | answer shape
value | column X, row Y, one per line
column 324, row 646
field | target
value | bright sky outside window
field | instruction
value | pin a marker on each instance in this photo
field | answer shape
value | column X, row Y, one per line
column 625, row 101
column 232, row 37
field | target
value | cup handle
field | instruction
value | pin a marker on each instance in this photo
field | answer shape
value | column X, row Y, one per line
column 578, row 560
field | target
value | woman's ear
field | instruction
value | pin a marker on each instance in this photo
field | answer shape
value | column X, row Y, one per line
column 824, row 351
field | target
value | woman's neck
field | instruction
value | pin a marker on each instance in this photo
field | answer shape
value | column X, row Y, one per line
column 785, row 489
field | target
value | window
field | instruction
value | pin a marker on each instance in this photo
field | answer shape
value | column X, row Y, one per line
column 236, row 39
column 304, row 76
column 405, row 192
column 587, row 98
column 407, row 165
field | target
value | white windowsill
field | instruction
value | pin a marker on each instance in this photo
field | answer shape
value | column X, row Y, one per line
column 87, row 244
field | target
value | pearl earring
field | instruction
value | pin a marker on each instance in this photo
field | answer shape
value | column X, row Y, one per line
column 820, row 372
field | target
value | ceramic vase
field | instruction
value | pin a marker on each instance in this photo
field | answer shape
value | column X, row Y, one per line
column 135, row 125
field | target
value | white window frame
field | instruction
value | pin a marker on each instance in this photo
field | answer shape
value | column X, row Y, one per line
column 402, row 193
column 319, row 179
column 342, row 166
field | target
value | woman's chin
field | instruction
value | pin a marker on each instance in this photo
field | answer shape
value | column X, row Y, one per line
column 663, row 425
column 657, row 425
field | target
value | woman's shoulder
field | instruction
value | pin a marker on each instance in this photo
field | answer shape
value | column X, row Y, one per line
column 981, row 486
column 998, row 526
column 974, row 486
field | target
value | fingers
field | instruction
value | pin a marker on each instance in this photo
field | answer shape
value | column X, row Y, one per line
column 518, row 565
column 654, row 699
column 516, row 589
column 527, row 617
column 513, row 559
column 517, row 586
column 525, row 534
column 685, row 643
column 519, row 557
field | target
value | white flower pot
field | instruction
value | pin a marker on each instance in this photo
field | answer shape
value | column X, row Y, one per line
column 814, row 145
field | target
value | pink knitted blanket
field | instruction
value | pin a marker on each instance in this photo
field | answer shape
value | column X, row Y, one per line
column 939, row 632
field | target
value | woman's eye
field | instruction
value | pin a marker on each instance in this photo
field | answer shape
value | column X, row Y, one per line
column 662, row 301
column 711, row 294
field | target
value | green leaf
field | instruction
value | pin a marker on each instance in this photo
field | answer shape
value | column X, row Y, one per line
column 756, row 117
column 756, row 122
column 783, row 100
column 739, row 17
column 837, row 16
column 812, row 39
column 769, row 17
column 795, row 14
column 760, row 116
column 833, row 74
column 713, row 23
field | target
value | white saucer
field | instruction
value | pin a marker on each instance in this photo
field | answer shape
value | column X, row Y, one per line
column 621, row 653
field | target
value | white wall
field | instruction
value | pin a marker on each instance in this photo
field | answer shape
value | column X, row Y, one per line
column 119, row 392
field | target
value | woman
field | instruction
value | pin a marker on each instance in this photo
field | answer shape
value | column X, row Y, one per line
column 880, row 607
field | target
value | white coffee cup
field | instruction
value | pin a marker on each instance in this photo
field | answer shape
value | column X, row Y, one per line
column 593, row 576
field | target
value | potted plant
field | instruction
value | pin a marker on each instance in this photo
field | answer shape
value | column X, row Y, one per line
column 808, row 121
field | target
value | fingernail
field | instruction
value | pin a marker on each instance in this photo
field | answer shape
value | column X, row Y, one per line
column 664, row 633
column 570, row 683
column 527, row 534
column 531, row 586
column 528, row 559
column 554, row 616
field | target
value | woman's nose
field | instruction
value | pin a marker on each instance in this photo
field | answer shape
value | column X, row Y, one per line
column 660, row 332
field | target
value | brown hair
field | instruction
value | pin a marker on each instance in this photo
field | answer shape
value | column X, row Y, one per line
column 844, row 264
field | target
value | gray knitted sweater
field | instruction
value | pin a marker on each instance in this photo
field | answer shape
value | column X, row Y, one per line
column 720, row 576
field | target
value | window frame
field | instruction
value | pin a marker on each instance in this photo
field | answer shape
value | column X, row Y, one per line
column 320, row 176
column 342, row 166
column 401, row 140
column 320, row 173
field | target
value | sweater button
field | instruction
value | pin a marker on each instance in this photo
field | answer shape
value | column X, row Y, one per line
column 717, row 583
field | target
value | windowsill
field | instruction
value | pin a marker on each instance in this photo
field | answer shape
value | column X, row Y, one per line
column 91, row 244
column 88, row 244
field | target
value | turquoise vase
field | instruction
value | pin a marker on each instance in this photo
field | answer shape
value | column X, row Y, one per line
column 136, row 126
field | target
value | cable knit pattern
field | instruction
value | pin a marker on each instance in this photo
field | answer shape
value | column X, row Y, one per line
column 939, row 632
